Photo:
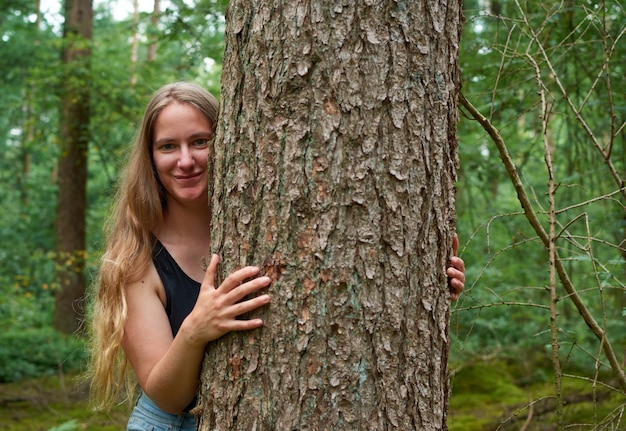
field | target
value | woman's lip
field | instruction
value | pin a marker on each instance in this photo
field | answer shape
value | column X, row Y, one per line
column 188, row 177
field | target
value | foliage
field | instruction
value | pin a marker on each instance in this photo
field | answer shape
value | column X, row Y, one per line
column 547, row 75
column 539, row 80
column 35, row 352
column 29, row 346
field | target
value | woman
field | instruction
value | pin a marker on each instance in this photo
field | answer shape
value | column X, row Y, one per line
column 156, row 308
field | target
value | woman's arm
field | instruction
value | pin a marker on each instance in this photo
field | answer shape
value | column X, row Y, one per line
column 168, row 368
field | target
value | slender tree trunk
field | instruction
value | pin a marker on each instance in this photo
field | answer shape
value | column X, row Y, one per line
column 134, row 45
column 334, row 168
column 72, row 179
column 29, row 120
column 154, row 21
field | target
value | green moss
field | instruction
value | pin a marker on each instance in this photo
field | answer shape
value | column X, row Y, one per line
column 492, row 395
column 480, row 393
column 466, row 422
column 474, row 385
column 61, row 418
column 56, row 403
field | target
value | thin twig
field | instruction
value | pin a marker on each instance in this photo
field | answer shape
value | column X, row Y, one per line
column 576, row 111
column 496, row 137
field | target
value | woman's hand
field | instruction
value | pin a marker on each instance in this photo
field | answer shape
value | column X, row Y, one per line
column 456, row 272
column 217, row 309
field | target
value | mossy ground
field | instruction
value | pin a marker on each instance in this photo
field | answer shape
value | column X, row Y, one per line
column 494, row 396
column 485, row 396
column 57, row 403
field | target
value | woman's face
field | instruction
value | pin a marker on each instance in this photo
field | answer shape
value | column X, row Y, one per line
column 180, row 152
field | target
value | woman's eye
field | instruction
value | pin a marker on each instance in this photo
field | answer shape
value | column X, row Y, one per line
column 166, row 147
column 201, row 142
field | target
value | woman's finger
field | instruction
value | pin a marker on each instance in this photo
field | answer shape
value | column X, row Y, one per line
column 455, row 245
column 211, row 271
column 248, row 305
column 238, row 278
column 249, row 287
column 458, row 263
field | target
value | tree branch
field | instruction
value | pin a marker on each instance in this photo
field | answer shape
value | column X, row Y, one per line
column 606, row 155
column 532, row 218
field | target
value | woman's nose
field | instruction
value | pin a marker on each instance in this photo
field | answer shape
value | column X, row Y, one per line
column 186, row 157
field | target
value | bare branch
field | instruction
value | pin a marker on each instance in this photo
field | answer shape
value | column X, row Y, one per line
column 531, row 216
column 576, row 111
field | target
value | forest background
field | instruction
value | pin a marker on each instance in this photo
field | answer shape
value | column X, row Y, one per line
column 538, row 336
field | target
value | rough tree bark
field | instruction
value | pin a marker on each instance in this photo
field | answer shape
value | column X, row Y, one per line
column 72, row 166
column 334, row 167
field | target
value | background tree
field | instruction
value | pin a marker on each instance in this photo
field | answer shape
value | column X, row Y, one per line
column 334, row 169
column 72, row 170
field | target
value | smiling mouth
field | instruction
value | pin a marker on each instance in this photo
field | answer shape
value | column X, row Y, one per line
column 188, row 177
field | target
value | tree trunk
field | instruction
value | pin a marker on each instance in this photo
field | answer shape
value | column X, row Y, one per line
column 72, row 198
column 154, row 21
column 134, row 44
column 334, row 169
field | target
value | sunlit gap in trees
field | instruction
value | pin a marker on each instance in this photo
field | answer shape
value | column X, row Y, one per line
column 52, row 10
column 14, row 137
column 478, row 24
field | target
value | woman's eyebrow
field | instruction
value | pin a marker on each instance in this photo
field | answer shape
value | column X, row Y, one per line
column 194, row 135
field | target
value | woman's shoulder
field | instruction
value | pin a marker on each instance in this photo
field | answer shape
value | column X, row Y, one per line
column 147, row 282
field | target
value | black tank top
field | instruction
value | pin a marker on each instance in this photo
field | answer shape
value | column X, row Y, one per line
column 181, row 291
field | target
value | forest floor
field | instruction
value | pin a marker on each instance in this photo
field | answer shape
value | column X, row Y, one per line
column 54, row 403
column 494, row 395
column 484, row 397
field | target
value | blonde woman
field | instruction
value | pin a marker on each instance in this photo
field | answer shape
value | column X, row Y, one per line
column 155, row 307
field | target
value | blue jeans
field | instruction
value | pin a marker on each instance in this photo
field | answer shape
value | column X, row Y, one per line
column 147, row 416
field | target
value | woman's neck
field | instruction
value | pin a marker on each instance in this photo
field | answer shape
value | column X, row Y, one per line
column 187, row 237
column 185, row 224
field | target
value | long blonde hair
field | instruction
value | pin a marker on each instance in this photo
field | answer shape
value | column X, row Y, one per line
column 137, row 212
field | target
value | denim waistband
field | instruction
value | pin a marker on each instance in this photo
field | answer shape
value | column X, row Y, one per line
column 148, row 412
